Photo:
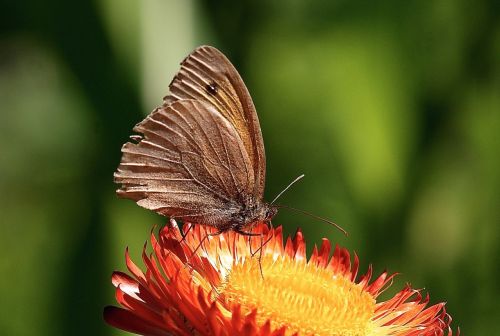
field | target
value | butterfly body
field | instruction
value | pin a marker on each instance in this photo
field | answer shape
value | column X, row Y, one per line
column 200, row 156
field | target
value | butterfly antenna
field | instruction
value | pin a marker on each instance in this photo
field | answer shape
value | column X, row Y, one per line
column 291, row 184
column 316, row 217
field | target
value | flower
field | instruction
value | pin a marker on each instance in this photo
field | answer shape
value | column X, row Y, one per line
column 229, row 284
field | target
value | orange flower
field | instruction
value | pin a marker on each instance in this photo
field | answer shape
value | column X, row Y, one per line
column 230, row 284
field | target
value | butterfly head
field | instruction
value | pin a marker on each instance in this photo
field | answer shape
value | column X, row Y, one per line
column 271, row 211
column 263, row 212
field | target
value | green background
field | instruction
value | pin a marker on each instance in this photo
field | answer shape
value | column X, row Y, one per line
column 390, row 108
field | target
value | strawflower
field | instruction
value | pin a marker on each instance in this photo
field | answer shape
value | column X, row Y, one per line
column 230, row 284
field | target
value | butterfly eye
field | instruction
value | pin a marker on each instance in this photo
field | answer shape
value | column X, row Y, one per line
column 271, row 212
column 212, row 88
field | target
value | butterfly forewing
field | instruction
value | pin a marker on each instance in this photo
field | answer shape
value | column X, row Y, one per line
column 206, row 75
column 190, row 164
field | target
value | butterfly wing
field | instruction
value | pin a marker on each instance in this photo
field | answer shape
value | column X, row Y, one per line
column 206, row 75
column 190, row 164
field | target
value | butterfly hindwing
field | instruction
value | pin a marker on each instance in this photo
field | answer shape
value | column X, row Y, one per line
column 190, row 164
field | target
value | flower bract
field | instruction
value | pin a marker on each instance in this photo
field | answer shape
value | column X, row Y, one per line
column 200, row 283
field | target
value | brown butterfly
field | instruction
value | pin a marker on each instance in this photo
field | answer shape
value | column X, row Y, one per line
column 201, row 156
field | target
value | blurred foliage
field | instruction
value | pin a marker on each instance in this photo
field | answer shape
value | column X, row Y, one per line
column 391, row 109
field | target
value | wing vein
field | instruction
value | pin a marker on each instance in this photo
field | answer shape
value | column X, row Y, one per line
column 203, row 185
column 227, row 156
column 201, row 151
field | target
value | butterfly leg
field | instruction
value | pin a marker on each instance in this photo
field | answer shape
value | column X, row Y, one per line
column 207, row 235
column 260, row 249
column 250, row 234
column 184, row 233
column 260, row 257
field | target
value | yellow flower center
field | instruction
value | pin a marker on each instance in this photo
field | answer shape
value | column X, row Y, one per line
column 307, row 299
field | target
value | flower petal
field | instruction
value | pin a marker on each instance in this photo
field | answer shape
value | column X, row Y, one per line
column 129, row 321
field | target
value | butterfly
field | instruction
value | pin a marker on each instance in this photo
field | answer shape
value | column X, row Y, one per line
column 200, row 156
